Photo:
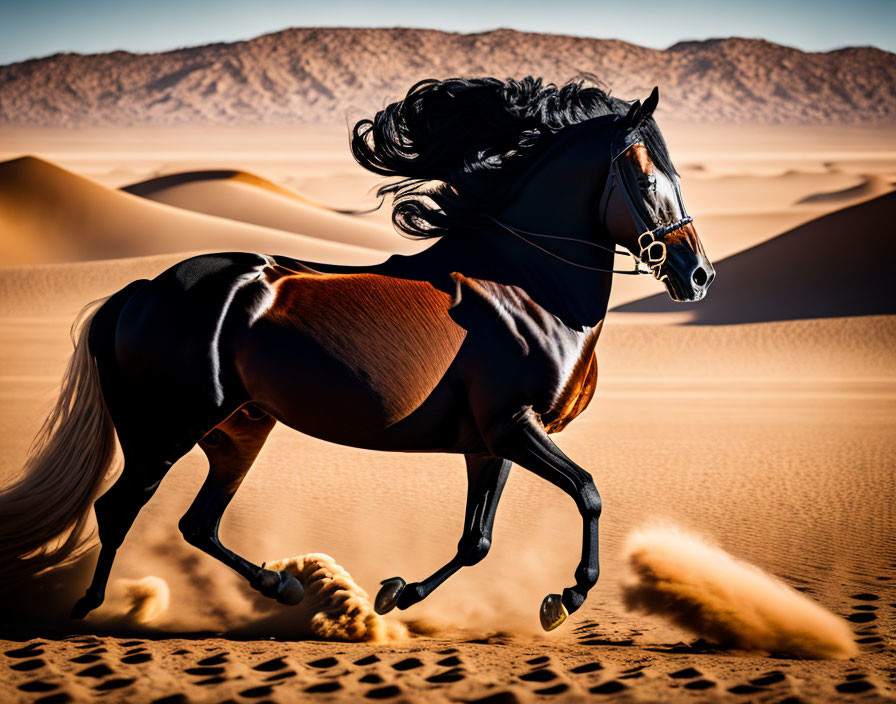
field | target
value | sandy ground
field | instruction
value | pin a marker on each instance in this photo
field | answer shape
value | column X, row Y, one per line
column 772, row 438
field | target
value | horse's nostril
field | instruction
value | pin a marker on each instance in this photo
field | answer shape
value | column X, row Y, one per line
column 712, row 277
column 699, row 277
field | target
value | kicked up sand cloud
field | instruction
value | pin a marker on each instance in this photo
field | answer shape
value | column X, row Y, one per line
column 703, row 589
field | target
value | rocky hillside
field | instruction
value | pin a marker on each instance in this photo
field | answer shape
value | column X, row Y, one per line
column 317, row 75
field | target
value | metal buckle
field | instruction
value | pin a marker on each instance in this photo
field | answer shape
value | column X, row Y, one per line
column 652, row 261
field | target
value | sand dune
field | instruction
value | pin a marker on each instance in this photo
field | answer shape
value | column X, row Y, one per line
column 837, row 265
column 160, row 184
column 740, row 197
column 48, row 214
column 715, row 194
column 244, row 197
column 868, row 187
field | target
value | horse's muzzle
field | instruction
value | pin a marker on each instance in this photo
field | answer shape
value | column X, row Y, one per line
column 687, row 274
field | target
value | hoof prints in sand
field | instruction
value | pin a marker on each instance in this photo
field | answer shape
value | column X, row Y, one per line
column 72, row 670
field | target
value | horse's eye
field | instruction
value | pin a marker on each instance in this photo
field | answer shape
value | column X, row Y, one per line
column 648, row 182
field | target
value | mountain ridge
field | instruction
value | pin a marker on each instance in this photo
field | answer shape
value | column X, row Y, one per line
column 312, row 75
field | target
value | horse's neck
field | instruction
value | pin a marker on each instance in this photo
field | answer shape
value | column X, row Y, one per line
column 576, row 295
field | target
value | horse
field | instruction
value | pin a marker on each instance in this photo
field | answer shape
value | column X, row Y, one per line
column 481, row 345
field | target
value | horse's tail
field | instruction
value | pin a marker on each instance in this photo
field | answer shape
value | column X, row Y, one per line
column 44, row 513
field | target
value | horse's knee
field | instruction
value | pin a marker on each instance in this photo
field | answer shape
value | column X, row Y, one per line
column 475, row 551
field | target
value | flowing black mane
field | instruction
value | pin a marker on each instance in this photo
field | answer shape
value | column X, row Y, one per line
column 459, row 145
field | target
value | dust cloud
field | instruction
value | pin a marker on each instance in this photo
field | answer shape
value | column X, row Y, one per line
column 335, row 607
column 138, row 602
column 703, row 589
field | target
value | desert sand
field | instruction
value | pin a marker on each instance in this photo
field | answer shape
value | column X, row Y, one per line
column 762, row 420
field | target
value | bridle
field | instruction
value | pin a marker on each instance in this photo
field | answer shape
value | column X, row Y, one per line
column 652, row 252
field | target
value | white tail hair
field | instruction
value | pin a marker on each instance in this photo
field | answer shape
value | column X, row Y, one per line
column 44, row 513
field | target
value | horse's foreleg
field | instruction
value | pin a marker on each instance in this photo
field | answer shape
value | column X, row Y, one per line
column 231, row 449
column 485, row 482
column 522, row 440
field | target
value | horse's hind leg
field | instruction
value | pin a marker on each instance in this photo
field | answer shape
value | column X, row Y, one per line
column 485, row 481
column 116, row 511
column 152, row 439
column 231, row 449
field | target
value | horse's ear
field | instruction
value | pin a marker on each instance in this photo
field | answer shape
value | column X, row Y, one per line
column 633, row 117
column 649, row 104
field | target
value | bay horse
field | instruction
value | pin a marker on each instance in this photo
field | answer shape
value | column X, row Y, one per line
column 481, row 345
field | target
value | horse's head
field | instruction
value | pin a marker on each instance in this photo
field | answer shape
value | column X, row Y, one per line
column 642, row 210
column 566, row 166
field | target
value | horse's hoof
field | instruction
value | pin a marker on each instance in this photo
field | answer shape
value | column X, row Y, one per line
column 553, row 612
column 387, row 597
column 282, row 586
column 290, row 590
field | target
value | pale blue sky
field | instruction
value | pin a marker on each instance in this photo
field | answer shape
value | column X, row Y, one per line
column 31, row 28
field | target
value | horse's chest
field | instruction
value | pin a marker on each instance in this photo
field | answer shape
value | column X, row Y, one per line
column 575, row 395
column 573, row 383
column 520, row 353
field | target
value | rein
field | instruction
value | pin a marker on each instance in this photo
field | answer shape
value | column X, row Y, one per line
column 518, row 233
column 649, row 260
